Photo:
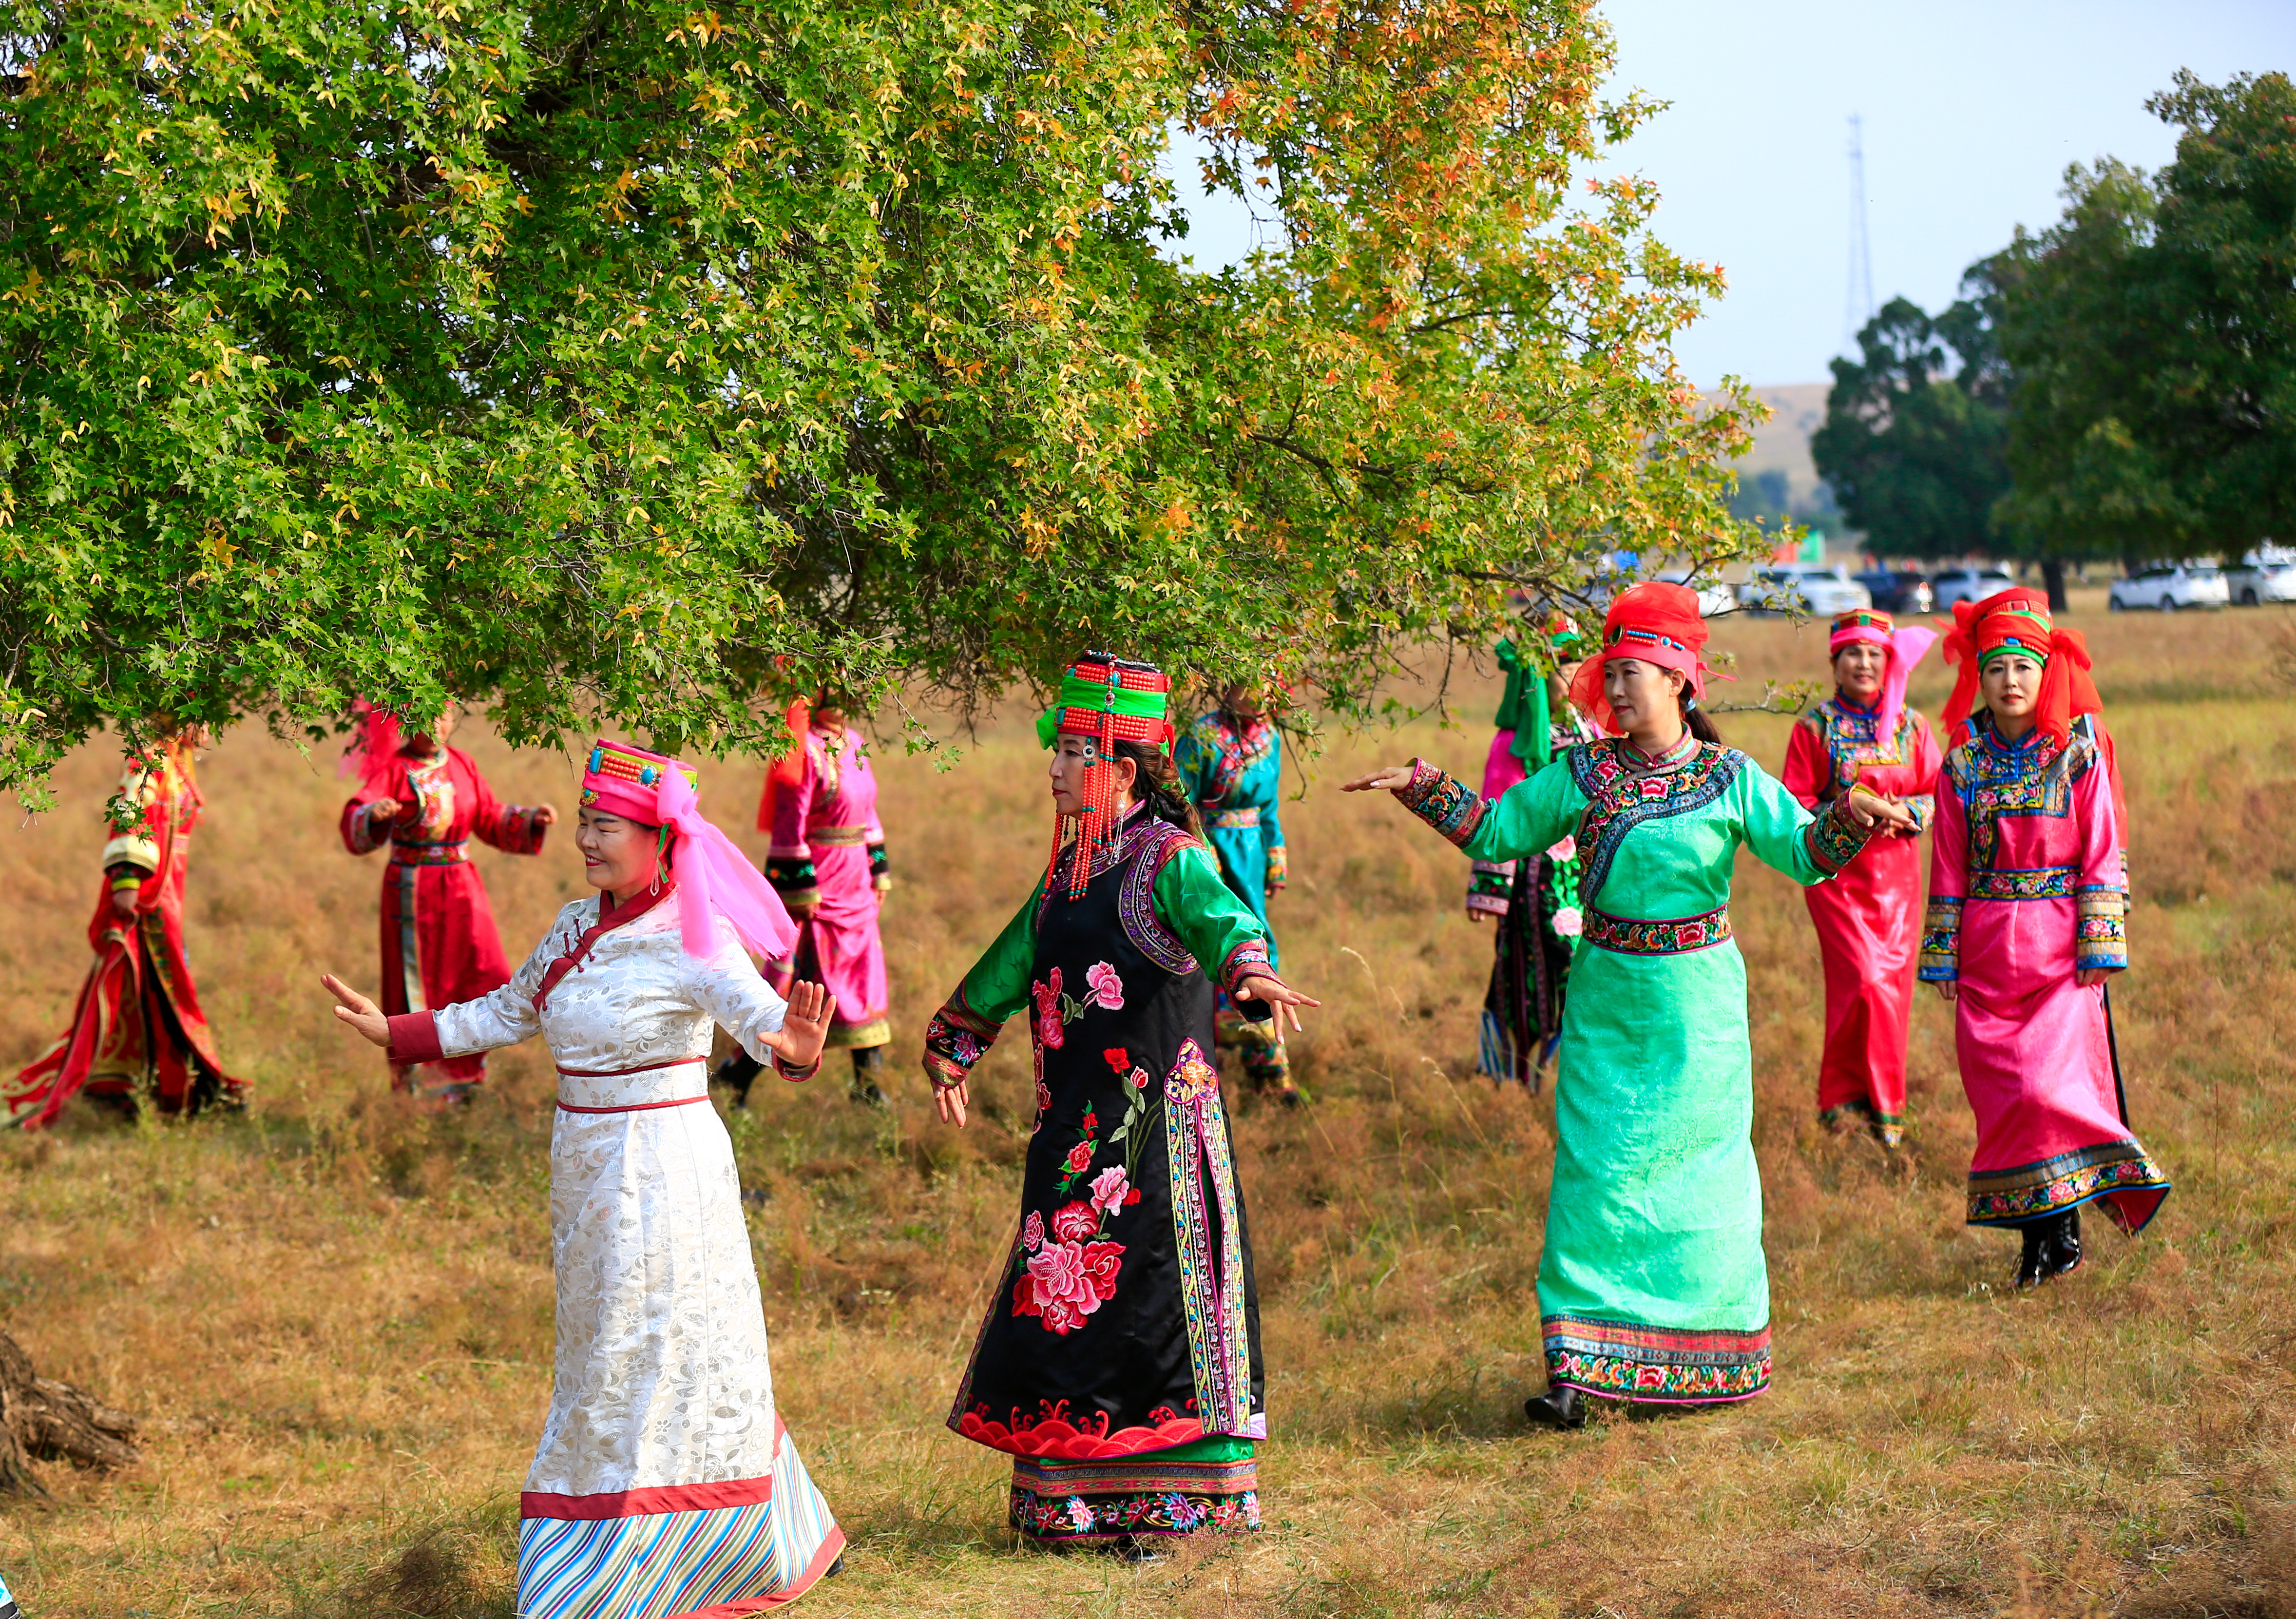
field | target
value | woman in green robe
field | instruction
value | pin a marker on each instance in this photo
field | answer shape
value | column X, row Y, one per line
column 1652, row 1285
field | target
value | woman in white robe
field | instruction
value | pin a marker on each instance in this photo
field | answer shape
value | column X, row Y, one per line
column 664, row 1486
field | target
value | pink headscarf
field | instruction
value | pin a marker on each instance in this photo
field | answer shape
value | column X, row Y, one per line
column 711, row 873
column 374, row 745
column 1906, row 647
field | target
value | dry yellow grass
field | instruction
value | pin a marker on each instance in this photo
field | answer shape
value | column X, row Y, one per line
column 334, row 1313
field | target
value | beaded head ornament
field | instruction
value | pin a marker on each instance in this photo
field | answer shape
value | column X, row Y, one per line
column 1869, row 627
column 1105, row 700
column 711, row 874
column 2017, row 623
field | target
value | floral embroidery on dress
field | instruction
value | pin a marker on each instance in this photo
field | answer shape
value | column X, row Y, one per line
column 1444, row 802
column 1672, row 936
column 1621, row 797
column 1941, row 939
column 2048, row 883
column 1107, row 988
column 1833, row 838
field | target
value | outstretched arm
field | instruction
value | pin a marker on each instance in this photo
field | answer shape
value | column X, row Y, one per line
column 1227, row 940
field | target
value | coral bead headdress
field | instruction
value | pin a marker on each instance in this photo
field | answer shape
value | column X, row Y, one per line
column 1865, row 626
column 1107, row 700
column 711, row 873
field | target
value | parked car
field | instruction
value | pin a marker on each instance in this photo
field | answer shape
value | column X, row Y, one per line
column 2170, row 587
column 1899, row 591
column 1714, row 598
column 1966, row 585
column 1802, row 587
column 2268, row 575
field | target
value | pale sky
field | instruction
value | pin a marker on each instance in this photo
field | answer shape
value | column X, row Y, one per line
column 1971, row 113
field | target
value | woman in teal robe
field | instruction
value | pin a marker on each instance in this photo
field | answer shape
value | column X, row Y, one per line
column 1230, row 763
column 1652, row 1285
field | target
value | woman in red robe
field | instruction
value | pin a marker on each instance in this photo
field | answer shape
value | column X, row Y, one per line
column 439, row 944
column 1869, row 918
column 138, row 1029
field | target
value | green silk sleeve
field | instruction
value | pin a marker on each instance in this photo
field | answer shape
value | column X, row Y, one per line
column 1788, row 838
column 1228, row 942
column 961, row 1032
column 1528, row 818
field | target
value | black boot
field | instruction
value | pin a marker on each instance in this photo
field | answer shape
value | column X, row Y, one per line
column 1561, row 1407
column 735, row 1073
column 868, row 1062
column 2060, row 1255
column 2032, row 1264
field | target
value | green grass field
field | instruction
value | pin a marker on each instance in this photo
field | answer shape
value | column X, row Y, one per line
column 334, row 1313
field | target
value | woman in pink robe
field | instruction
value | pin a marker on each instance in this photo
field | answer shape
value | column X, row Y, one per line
column 828, row 864
column 1869, row 918
column 2028, row 897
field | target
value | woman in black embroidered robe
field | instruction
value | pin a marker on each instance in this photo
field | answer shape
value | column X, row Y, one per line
column 1119, row 1363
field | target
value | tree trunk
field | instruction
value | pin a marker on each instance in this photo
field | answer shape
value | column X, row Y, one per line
column 44, row 1419
column 2053, row 576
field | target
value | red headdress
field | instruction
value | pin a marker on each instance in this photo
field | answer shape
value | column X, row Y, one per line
column 2016, row 622
column 1654, row 622
column 1109, row 700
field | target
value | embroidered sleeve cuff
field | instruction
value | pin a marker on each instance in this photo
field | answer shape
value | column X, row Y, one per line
column 955, row 1040
column 794, row 880
column 1279, row 868
column 1833, row 839
column 1443, row 802
column 2101, row 921
column 1941, row 940
column 1924, row 809
column 414, row 1039
column 132, row 849
column 878, row 864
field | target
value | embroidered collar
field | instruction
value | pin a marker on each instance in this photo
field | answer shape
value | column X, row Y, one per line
column 1849, row 708
column 609, row 917
column 1673, row 759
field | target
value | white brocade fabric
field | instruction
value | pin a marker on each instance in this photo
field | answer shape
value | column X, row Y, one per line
column 661, row 1376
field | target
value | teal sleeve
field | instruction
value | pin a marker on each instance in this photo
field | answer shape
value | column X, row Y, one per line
column 962, row 1031
column 1528, row 818
column 1788, row 838
column 1228, row 942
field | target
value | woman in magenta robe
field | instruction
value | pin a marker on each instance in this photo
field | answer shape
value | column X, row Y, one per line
column 2027, row 897
column 427, row 801
column 827, row 862
column 1868, row 918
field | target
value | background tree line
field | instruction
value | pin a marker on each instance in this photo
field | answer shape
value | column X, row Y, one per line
column 2122, row 384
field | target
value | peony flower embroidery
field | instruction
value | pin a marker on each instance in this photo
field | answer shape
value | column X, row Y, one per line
column 1568, row 923
column 1107, row 988
column 1109, row 1187
column 1032, row 1231
column 1566, row 849
column 1080, row 1158
column 1077, row 1221
column 1066, row 1282
column 1049, row 1021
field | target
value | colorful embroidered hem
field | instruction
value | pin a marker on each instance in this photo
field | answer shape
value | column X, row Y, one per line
column 1941, row 940
column 1230, row 820
column 2122, row 1172
column 1212, row 1485
column 876, row 1032
column 2101, row 936
column 1675, row 936
column 1623, row 1361
column 2049, row 882
column 1443, row 802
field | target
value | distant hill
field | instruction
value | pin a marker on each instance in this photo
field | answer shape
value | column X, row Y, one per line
column 1782, row 443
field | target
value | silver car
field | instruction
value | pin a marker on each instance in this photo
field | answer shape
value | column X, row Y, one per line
column 2170, row 587
column 2268, row 575
column 1967, row 584
column 1802, row 587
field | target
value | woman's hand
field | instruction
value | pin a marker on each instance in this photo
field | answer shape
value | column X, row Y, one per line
column 546, row 815
column 1948, row 991
column 360, row 1013
column 949, row 1101
column 1868, row 809
column 123, row 902
column 1286, row 999
column 384, row 810
column 805, row 1026
column 2088, row 978
column 1394, row 778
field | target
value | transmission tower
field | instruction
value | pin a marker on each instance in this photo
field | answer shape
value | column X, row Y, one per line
column 1857, row 305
